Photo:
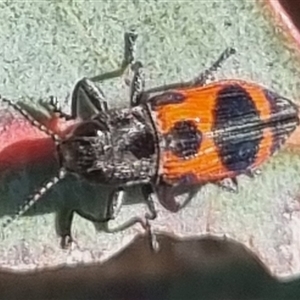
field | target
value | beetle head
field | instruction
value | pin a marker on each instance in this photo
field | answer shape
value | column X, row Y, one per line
column 88, row 144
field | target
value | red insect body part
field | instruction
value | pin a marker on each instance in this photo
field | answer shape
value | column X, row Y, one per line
column 24, row 144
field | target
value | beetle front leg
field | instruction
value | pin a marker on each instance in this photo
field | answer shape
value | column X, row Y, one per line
column 56, row 108
column 63, row 224
column 64, row 221
column 87, row 100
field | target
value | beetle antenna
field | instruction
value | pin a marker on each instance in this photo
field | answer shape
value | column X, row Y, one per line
column 32, row 120
column 36, row 197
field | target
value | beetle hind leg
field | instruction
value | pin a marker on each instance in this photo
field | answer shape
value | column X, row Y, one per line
column 229, row 185
column 206, row 75
column 63, row 224
column 200, row 79
column 253, row 173
column 167, row 196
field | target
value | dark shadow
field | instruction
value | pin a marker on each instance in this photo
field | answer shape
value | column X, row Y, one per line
column 194, row 268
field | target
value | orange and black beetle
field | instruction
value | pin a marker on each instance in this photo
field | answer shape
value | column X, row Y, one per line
column 215, row 132
column 169, row 139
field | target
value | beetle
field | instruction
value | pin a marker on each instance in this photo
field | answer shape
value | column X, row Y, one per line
column 171, row 138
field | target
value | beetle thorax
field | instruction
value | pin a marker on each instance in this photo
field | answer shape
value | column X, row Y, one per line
column 89, row 143
column 116, row 147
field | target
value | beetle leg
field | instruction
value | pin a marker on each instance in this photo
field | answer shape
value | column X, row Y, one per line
column 167, row 196
column 56, row 108
column 116, row 201
column 199, row 80
column 65, row 217
column 204, row 76
column 87, row 99
column 148, row 195
column 137, row 84
column 253, row 173
column 63, row 224
column 191, row 194
column 153, row 243
column 115, row 204
column 128, row 58
column 229, row 184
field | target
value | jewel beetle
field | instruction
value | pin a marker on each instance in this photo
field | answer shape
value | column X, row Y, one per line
column 171, row 138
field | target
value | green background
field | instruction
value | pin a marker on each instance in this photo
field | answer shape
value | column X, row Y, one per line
column 47, row 46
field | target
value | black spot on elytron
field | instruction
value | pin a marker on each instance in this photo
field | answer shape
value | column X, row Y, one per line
column 184, row 139
column 142, row 145
column 283, row 118
column 166, row 98
column 237, row 128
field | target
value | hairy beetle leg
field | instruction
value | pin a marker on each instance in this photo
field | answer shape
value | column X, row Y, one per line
column 114, row 205
column 115, row 202
column 65, row 217
column 202, row 78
